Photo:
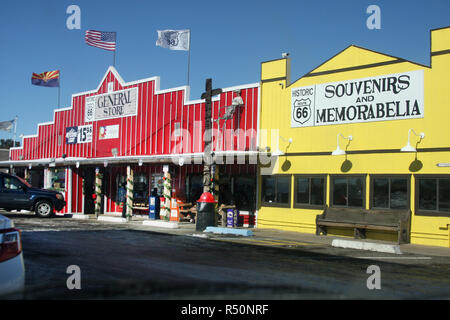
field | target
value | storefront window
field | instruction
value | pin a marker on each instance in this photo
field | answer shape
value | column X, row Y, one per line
column 348, row 191
column 390, row 193
column 444, row 195
column 121, row 190
column 244, row 193
column 140, row 190
column 56, row 179
column 434, row 194
column 158, row 182
column 309, row 191
column 194, row 187
column 276, row 190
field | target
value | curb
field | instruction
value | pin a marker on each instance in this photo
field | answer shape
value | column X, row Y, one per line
column 240, row 232
column 111, row 219
column 370, row 246
column 161, row 224
column 80, row 216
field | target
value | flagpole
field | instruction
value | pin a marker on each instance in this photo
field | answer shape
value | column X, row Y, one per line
column 189, row 57
column 115, row 48
column 15, row 129
column 59, row 90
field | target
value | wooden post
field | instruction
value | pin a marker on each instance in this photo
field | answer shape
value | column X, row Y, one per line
column 207, row 95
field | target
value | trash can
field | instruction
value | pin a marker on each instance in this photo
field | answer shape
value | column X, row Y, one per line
column 154, row 205
column 205, row 212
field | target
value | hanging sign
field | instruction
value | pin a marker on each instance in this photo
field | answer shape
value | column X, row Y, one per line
column 79, row 134
column 122, row 103
column 381, row 98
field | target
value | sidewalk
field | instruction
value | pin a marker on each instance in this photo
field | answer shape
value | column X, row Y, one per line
column 186, row 228
column 327, row 240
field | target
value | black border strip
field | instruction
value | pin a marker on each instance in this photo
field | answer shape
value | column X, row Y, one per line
column 274, row 79
column 438, row 53
column 365, row 66
column 294, row 154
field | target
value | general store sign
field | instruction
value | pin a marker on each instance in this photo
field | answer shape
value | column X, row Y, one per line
column 79, row 134
column 381, row 98
column 115, row 104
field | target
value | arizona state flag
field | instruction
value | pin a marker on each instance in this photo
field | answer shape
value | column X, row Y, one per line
column 46, row 79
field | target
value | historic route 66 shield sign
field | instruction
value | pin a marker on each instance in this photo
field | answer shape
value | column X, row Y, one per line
column 301, row 110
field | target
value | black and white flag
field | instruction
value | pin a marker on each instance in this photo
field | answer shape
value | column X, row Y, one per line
column 6, row 125
column 173, row 39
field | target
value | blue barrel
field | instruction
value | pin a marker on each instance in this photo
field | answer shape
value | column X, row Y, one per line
column 230, row 218
column 154, row 205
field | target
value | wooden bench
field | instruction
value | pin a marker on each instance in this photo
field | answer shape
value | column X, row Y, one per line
column 361, row 220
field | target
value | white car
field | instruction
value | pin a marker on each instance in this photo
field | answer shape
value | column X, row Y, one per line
column 12, row 268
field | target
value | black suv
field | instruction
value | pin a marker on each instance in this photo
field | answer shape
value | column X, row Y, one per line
column 17, row 194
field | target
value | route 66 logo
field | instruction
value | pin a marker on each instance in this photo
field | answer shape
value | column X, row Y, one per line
column 171, row 38
column 302, row 110
column 89, row 112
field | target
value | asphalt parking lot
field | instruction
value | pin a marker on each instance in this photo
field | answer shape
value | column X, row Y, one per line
column 130, row 261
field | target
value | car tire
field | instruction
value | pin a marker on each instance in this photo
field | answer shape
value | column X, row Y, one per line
column 43, row 209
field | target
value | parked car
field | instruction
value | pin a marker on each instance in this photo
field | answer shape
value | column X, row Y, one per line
column 12, row 269
column 17, row 194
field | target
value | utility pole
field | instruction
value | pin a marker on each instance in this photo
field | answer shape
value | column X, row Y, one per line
column 207, row 95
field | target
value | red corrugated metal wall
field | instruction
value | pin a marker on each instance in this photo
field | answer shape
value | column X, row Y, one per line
column 148, row 132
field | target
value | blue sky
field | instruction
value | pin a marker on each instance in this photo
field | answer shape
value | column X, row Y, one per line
column 229, row 40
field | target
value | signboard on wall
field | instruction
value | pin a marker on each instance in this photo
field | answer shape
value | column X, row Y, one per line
column 79, row 134
column 381, row 98
column 122, row 103
column 108, row 132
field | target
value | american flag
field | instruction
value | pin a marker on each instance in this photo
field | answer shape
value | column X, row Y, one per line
column 101, row 39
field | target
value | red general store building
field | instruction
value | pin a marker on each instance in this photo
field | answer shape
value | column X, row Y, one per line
column 137, row 125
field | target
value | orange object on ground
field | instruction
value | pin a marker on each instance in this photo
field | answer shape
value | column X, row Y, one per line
column 174, row 210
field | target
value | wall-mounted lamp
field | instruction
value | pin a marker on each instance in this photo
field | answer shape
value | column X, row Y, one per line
column 77, row 164
column 140, row 162
column 408, row 147
column 339, row 151
column 180, row 161
column 105, row 164
column 277, row 151
column 443, row 165
column 30, row 166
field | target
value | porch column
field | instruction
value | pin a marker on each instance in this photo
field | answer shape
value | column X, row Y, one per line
column 167, row 195
column 98, row 191
column 129, row 200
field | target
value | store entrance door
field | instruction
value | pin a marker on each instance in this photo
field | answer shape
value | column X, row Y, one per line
column 88, row 175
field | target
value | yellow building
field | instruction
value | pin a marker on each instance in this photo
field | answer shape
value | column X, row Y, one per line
column 363, row 130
